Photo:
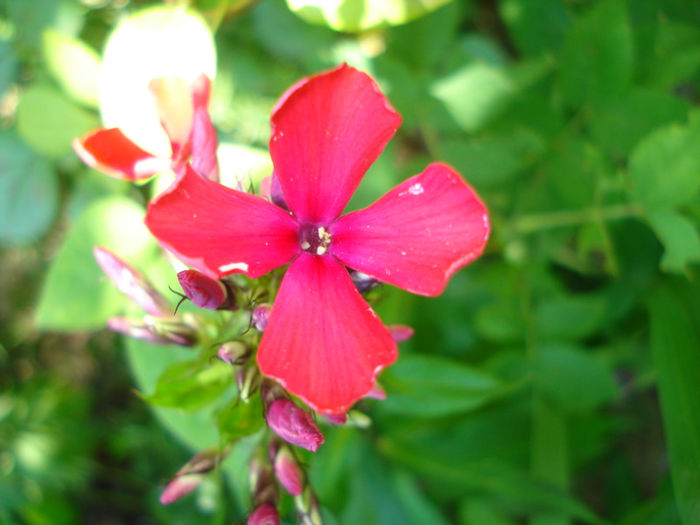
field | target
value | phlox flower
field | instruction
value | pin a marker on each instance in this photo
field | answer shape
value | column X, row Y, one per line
column 323, row 342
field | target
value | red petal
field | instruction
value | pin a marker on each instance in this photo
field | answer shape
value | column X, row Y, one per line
column 112, row 153
column 418, row 234
column 219, row 230
column 326, row 131
column 323, row 343
column 203, row 143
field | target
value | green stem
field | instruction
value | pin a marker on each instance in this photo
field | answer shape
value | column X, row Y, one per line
column 560, row 219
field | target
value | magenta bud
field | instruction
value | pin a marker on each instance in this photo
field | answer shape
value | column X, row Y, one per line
column 294, row 424
column 131, row 283
column 288, row 472
column 265, row 514
column 336, row 419
column 202, row 290
column 180, row 486
column 260, row 316
column 400, row 332
column 135, row 329
column 377, row 392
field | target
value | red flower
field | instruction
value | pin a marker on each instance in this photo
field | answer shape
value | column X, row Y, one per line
column 323, row 342
column 184, row 116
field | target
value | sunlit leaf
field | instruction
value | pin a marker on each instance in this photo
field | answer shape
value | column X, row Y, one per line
column 74, row 64
column 28, row 192
column 360, row 15
column 679, row 237
column 240, row 419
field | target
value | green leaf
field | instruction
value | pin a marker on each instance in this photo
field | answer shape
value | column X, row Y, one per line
column 76, row 294
column 74, row 64
column 679, row 237
column 536, row 26
column 431, row 386
column 8, row 65
column 597, row 60
column 190, row 385
column 28, row 192
column 49, row 122
column 571, row 316
column 675, row 340
column 572, row 378
column 617, row 126
column 419, row 507
column 664, row 167
column 356, row 16
column 240, row 419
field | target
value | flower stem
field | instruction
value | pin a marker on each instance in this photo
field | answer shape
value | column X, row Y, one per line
column 559, row 219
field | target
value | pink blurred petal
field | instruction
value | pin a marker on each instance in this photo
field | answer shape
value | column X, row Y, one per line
column 418, row 234
column 323, row 343
column 172, row 99
column 265, row 514
column 219, row 230
column 337, row 419
column 377, row 392
column 112, row 153
column 203, row 144
column 326, row 131
column 400, row 332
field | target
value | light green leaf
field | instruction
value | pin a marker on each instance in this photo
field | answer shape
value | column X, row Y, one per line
column 572, row 378
column 74, row 64
column 664, row 168
column 675, row 343
column 8, row 65
column 76, row 294
column 49, row 122
column 28, row 192
column 353, row 16
column 431, row 386
column 598, row 57
column 240, row 419
column 679, row 237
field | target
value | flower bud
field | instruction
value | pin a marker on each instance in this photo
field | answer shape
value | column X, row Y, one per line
column 307, row 508
column 234, row 353
column 203, row 291
column 288, row 472
column 271, row 189
column 336, row 419
column 400, row 332
column 377, row 392
column 135, row 329
column 362, row 281
column 132, row 283
column 294, row 424
column 173, row 331
column 260, row 316
column 247, row 380
column 265, row 514
column 180, row 486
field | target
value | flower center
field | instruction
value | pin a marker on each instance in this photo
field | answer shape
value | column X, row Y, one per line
column 314, row 239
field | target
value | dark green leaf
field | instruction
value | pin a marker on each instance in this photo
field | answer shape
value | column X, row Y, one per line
column 28, row 192
column 536, row 26
column 675, row 341
column 571, row 316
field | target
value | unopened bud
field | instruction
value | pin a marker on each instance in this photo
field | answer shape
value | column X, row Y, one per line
column 180, row 486
column 294, row 424
column 265, row 514
column 377, row 392
column 362, row 281
column 131, row 283
column 400, row 332
column 336, row 419
column 233, row 353
column 307, row 508
column 247, row 380
column 260, row 316
column 202, row 462
column 204, row 291
column 288, row 472
column 135, row 329
column 271, row 189
column 174, row 331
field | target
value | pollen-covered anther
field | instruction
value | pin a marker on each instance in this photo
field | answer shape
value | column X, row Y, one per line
column 314, row 239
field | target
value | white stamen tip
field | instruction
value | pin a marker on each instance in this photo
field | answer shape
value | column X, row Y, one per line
column 320, row 250
column 305, row 245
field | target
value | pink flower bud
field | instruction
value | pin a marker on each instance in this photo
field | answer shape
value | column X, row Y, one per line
column 377, row 392
column 288, row 472
column 261, row 314
column 131, row 283
column 336, row 419
column 265, row 514
column 233, row 353
column 294, row 424
column 135, row 329
column 174, row 331
column 400, row 332
column 202, row 290
column 180, row 486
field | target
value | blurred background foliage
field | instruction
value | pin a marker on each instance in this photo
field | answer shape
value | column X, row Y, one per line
column 556, row 379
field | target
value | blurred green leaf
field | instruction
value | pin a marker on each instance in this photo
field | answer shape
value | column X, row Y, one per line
column 679, row 237
column 618, row 125
column 30, row 19
column 571, row 316
column 28, row 192
column 675, row 56
column 664, row 167
column 190, row 385
column 431, row 386
column 76, row 294
column 353, row 16
column 240, row 419
column 49, row 122
column 598, row 59
column 477, row 511
column 536, row 26
column 572, row 377
column 74, row 64
column 419, row 507
column 675, row 317
column 8, row 65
